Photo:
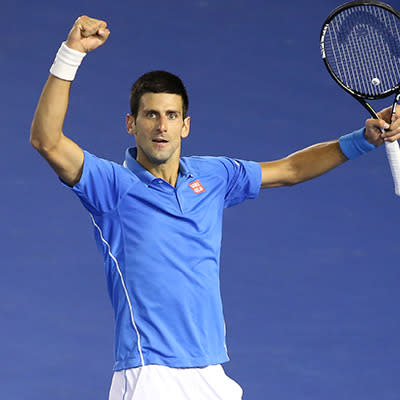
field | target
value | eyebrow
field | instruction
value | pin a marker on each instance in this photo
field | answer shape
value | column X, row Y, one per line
column 147, row 110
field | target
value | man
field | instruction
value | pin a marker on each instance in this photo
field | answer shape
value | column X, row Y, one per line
column 158, row 221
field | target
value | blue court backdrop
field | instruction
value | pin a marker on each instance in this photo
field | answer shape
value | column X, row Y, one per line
column 309, row 274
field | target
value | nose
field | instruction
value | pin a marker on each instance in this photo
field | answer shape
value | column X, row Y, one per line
column 163, row 123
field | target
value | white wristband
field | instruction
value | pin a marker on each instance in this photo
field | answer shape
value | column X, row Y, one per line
column 66, row 63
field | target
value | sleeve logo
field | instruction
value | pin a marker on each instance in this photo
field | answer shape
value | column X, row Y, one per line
column 197, row 187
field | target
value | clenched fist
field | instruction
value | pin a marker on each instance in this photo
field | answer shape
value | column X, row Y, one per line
column 87, row 34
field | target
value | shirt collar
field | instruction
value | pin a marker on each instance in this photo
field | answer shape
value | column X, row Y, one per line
column 142, row 173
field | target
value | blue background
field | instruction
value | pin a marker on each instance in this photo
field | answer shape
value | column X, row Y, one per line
column 309, row 274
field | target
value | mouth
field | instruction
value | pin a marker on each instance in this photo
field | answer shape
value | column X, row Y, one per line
column 159, row 140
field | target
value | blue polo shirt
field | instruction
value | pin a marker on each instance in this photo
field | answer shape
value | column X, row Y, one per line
column 161, row 247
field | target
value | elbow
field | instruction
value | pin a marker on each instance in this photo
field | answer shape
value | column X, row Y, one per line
column 295, row 179
column 292, row 182
column 41, row 141
column 38, row 144
column 34, row 141
column 42, row 147
column 294, row 174
column 34, row 137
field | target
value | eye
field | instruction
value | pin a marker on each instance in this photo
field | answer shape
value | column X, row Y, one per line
column 172, row 115
column 151, row 114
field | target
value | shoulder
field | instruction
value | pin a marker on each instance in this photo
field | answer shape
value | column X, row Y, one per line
column 93, row 160
column 209, row 164
column 99, row 170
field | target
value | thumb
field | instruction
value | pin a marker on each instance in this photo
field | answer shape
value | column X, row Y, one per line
column 379, row 124
column 383, row 124
column 103, row 33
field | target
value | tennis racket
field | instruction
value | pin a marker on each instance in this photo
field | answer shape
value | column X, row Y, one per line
column 360, row 46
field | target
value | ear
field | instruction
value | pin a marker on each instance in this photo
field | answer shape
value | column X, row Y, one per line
column 130, row 124
column 185, row 127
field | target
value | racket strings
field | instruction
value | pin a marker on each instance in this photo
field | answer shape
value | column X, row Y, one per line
column 362, row 48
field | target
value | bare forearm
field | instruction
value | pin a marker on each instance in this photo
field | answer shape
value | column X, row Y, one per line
column 64, row 155
column 315, row 160
column 302, row 165
column 47, row 125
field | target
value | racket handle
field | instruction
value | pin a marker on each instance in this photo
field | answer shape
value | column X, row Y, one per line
column 393, row 155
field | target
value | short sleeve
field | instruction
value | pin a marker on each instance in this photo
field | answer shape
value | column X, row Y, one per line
column 102, row 185
column 244, row 180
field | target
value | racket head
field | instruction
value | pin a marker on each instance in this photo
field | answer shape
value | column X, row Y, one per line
column 360, row 46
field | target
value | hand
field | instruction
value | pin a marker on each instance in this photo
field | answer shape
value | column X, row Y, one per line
column 87, row 34
column 378, row 131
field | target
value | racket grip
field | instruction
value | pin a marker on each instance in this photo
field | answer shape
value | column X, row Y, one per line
column 393, row 155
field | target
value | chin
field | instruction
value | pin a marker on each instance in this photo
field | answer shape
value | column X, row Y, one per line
column 159, row 158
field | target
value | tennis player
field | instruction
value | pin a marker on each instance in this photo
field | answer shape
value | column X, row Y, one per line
column 158, row 222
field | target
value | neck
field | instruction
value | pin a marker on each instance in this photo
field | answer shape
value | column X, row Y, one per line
column 167, row 171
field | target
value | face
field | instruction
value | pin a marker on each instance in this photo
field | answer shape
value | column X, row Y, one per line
column 159, row 128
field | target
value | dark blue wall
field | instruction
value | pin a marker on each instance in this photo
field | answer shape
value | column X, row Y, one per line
column 310, row 274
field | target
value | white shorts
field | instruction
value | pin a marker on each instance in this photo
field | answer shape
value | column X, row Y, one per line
column 157, row 382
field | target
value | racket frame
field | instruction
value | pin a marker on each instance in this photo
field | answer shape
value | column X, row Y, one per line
column 361, row 97
column 392, row 148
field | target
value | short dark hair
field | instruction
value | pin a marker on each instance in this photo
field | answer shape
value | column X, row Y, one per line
column 158, row 82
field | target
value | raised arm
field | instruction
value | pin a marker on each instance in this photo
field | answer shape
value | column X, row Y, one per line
column 320, row 158
column 63, row 155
